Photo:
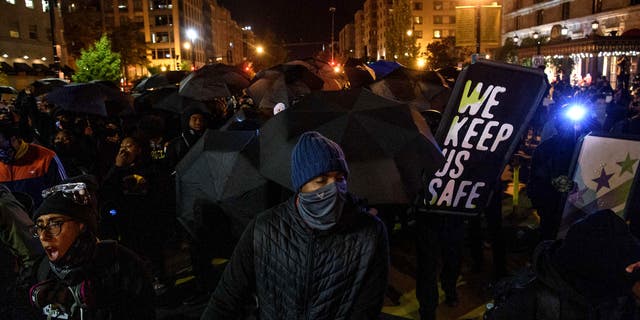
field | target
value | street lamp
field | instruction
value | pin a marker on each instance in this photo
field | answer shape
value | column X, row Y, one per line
column 332, row 10
column 409, row 32
column 192, row 34
column 594, row 26
column 564, row 31
column 516, row 39
column 259, row 50
column 536, row 36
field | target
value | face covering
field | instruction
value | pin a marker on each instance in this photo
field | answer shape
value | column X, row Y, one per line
column 321, row 209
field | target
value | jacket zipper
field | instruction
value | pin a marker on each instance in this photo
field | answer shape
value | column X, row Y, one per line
column 307, row 282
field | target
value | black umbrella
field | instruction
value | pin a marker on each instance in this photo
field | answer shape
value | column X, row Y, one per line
column 160, row 80
column 284, row 83
column 91, row 98
column 8, row 90
column 420, row 89
column 42, row 86
column 214, row 81
column 222, row 167
column 166, row 99
column 358, row 73
column 387, row 145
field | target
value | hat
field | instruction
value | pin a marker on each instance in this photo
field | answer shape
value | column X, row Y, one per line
column 314, row 155
column 60, row 204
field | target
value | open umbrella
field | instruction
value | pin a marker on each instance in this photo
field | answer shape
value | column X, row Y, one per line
column 420, row 89
column 160, row 80
column 166, row 99
column 42, row 86
column 388, row 145
column 91, row 98
column 283, row 83
column 214, row 81
column 332, row 80
column 8, row 90
column 358, row 73
column 222, row 167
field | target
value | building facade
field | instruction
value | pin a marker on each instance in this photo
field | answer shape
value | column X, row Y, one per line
column 596, row 34
column 26, row 48
column 347, row 41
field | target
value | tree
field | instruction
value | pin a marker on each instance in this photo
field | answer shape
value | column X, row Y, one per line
column 128, row 41
column 563, row 66
column 508, row 52
column 82, row 26
column 400, row 45
column 4, row 80
column 274, row 53
column 98, row 62
column 444, row 53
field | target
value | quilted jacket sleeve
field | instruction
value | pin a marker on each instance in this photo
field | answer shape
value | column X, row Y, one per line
column 371, row 298
column 237, row 284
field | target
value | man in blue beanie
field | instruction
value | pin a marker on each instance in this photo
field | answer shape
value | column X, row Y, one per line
column 316, row 256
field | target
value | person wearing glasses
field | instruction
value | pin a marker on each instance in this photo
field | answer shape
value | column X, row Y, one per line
column 81, row 277
column 318, row 255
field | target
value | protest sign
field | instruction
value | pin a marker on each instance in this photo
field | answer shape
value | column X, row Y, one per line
column 486, row 116
column 605, row 176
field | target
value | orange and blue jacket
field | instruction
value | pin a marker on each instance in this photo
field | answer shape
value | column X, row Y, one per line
column 37, row 169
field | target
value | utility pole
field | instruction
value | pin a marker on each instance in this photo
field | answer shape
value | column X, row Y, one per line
column 332, row 10
column 52, row 19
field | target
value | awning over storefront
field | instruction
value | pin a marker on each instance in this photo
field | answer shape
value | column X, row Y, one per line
column 22, row 67
column 7, row 68
column 598, row 45
column 39, row 68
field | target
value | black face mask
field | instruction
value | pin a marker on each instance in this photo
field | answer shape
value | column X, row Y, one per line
column 322, row 209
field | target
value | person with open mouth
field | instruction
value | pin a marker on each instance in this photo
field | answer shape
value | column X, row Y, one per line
column 81, row 277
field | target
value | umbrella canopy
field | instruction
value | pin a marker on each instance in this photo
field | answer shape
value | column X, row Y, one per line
column 332, row 81
column 358, row 73
column 8, row 90
column 284, row 83
column 222, row 167
column 160, row 80
column 420, row 89
column 91, row 98
column 214, row 81
column 382, row 67
column 167, row 99
column 42, row 86
column 388, row 146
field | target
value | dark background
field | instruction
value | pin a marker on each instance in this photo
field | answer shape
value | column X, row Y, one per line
column 293, row 20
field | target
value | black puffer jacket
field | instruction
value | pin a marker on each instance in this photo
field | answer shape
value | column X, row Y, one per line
column 551, row 297
column 298, row 273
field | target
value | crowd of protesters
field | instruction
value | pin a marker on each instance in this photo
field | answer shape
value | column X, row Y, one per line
column 75, row 178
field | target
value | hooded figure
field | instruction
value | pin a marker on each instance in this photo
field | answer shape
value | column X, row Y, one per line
column 80, row 276
column 194, row 123
column 316, row 256
column 580, row 277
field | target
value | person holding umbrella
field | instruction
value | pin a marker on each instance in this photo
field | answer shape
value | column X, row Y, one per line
column 316, row 256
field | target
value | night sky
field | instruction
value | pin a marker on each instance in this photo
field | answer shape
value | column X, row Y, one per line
column 293, row 20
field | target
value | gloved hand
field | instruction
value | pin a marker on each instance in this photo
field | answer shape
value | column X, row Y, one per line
column 562, row 183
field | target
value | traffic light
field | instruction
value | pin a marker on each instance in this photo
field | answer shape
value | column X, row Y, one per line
column 178, row 65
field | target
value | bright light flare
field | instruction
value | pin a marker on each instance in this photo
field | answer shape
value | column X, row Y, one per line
column 576, row 112
column 337, row 69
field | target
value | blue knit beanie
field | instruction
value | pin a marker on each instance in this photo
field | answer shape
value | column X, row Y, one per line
column 314, row 155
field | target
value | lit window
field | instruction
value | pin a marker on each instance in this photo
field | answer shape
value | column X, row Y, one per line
column 418, row 34
column 45, row 6
column 437, row 34
column 417, row 20
column 11, row 1
column 14, row 30
column 28, row 3
column 437, row 5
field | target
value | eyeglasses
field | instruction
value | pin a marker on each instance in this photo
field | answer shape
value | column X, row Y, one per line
column 75, row 191
column 52, row 228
